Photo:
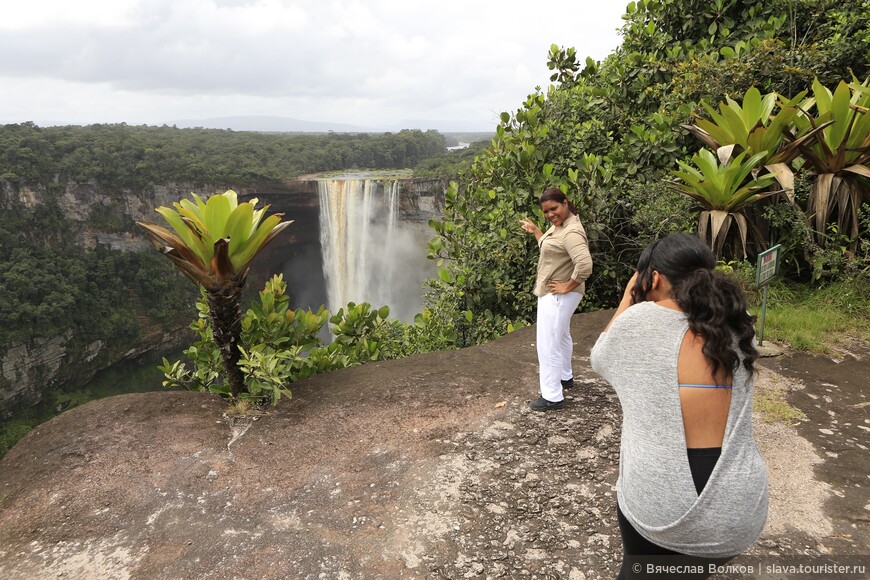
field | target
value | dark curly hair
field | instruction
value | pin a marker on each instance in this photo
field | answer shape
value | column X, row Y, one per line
column 714, row 304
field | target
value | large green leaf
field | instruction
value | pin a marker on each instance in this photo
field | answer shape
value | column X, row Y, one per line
column 166, row 241
column 845, row 140
column 238, row 227
column 759, row 140
column 232, row 197
column 740, row 170
column 720, row 128
column 750, row 125
column 199, row 203
column 774, row 134
column 258, row 217
column 193, row 241
column 751, row 193
column 194, row 210
column 215, row 215
column 822, row 97
column 841, row 114
column 709, row 133
column 192, row 218
column 768, row 103
column 246, row 252
column 751, row 112
column 722, row 186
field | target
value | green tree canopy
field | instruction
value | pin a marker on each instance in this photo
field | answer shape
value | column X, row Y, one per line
column 609, row 132
column 137, row 157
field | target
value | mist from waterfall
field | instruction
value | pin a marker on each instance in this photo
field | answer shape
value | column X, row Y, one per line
column 368, row 254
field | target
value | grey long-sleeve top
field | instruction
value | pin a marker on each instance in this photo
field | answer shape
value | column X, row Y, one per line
column 638, row 357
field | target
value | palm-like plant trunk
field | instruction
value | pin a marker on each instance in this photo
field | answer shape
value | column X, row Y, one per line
column 225, row 309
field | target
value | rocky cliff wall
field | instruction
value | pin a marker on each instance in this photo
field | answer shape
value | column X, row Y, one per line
column 419, row 200
column 26, row 366
column 82, row 203
column 29, row 369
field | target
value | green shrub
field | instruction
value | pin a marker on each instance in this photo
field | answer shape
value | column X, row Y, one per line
column 280, row 346
column 12, row 431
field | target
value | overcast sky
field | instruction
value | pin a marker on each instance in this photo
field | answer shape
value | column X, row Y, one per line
column 446, row 64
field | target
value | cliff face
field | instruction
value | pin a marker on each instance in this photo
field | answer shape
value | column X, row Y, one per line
column 29, row 369
column 81, row 202
column 26, row 366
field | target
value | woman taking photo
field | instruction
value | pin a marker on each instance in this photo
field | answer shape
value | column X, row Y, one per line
column 563, row 266
column 680, row 354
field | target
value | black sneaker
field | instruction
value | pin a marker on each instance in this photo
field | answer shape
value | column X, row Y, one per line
column 568, row 384
column 542, row 404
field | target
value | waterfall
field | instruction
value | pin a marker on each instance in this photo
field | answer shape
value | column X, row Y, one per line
column 360, row 243
column 391, row 197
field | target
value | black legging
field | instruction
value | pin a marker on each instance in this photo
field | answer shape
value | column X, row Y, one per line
column 701, row 463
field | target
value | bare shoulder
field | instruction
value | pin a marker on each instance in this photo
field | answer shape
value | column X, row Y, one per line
column 693, row 364
column 693, row 342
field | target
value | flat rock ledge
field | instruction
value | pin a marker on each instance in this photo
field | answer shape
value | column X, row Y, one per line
column 426, row 467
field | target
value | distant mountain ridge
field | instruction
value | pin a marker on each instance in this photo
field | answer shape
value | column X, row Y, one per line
column 272, row 124
column 269, row 124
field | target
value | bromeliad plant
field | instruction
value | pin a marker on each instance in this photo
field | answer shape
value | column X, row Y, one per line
column 834, row 144
column 272, row 345
column 751, row 126
column 724, row 193
column 213, row 243
column 839, row 155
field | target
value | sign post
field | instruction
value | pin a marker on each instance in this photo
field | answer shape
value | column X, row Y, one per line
column 765, row 271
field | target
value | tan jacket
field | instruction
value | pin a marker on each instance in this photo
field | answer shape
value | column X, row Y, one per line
column 564, row 255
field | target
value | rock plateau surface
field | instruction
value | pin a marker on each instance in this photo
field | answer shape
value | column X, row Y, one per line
column 426, row 467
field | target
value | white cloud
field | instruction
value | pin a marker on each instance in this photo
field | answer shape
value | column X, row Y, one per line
column 39, row 13
column 370, row 63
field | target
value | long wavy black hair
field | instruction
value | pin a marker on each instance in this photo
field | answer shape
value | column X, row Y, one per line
column 715, row 305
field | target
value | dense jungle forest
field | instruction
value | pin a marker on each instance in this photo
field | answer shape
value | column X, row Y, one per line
column 747, row 121
column 137, row 157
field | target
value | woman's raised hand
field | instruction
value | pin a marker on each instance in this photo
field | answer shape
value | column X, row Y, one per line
column 626, row 294
column 530, row 227
column 626, row 301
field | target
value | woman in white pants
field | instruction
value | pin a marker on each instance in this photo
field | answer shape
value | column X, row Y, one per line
column 563, row 267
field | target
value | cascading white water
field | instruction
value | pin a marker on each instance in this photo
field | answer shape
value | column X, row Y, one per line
column 391, row 199
column 361, row 247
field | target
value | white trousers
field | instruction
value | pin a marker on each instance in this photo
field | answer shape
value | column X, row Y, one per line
column 555, row 345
